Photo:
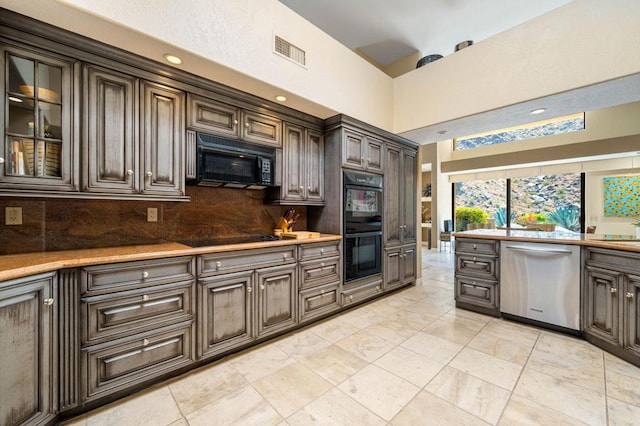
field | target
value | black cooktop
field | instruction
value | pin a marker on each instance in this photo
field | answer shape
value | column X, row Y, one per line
column 229, row 240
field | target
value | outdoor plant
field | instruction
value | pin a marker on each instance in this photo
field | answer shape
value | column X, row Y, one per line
column 566, row 217
column 467, row 215
column 500, row 217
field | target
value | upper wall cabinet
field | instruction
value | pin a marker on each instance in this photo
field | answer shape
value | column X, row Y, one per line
column 362, row 152
column 37, row 151
column 219, row 118
column 133, row 141
column 302, row 167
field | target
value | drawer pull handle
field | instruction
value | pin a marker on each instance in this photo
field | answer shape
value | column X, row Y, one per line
column 285, row 255
column 475, row 246
column 474, row 259
column 629, row 295
column 145, row 342
column 218, row 265
column 321, row 251
column 613, row 290
column 145, row 297
column 145, row 274
column 47, row 302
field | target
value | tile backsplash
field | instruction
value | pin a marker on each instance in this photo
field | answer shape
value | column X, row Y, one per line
column 62, row 224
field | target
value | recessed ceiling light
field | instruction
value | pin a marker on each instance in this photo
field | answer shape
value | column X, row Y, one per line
column 173, row 59
column 442, row 132
column 538, row 111
column 281, row 98
column 14, row 99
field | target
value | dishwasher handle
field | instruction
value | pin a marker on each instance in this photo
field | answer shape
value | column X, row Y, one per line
column 539, row 251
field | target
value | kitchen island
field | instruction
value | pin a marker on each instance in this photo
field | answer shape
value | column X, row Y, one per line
column 602, row 299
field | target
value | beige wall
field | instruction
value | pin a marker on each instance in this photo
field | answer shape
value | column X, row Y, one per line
column 582, row 43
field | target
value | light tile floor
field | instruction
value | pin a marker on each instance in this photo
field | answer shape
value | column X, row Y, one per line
column 409, row 359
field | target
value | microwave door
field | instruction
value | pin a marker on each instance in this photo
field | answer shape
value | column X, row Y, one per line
column 233, row 169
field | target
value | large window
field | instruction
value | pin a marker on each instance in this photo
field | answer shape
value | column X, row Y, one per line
column 534, row 202
column 565, row 124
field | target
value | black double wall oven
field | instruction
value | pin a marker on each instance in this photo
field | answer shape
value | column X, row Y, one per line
column 362, row 225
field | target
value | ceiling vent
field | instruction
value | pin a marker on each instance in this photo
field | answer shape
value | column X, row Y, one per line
column 289, row 51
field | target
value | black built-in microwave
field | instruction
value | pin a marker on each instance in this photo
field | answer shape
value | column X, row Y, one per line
column 231, row 163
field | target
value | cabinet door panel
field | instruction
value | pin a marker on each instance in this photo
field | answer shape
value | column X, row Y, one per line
column 27, row 375
column 163, row 129
column 392, row 193
column 374, row 155
column 353, row 149
column 293, row 180
column 111, row 144
column 602, row 315
column 477, row 292
column 225, row 319
column 319, row 301
column 277, row 293
column 213, row 117
column 315, row 166
column 632, row 314
column 261, row 129
column 408, row 265
column 409, row 188
column 392, row 269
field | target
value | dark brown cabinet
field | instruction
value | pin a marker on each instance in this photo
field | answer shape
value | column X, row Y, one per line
column 111, row 148
column 399, row 267
column 219, row 118
column 611, row 314
column 137, row 323
column 400, row 194
column 302, row 167
column 477, row 275
column 37, row 151
column 362, row 152
column 319, row 278
column 277, row 295
column 28, row 371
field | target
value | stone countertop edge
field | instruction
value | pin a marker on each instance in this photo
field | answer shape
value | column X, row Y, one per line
column 625, row 242
column 14, row 266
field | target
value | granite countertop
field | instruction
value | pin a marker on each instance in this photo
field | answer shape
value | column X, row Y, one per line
column 611, row 241
column 22, row 265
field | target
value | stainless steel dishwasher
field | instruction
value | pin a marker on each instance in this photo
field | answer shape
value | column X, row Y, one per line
column 540, row 283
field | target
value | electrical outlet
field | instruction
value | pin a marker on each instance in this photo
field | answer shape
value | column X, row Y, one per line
column 152, row 214
column 13, row 215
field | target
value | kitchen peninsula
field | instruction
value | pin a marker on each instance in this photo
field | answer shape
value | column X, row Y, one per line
column 604, row 294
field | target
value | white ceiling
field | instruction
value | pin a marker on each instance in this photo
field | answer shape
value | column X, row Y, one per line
column 388, row 30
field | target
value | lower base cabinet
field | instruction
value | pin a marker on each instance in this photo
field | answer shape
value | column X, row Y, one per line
column 611, row 312
column 277, row 297
column 399, row 267
column 362, row 290
column 319, row 301
column 28, row 367
column 477, row 275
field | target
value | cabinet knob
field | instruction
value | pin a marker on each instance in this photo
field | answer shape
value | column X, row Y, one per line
column 474, row 283
column 235, row 121
column 309, row 188
column 262, row 287
column 145, row 297
column 246, row 125
column 629, row 295
column 47, row 302
column 613, row 290
column 321, row 292
column 145, row 274
column 249, row 289
column 475, row 246
column 301, row 188
column 149, row 174
column 145, row 342
column 351, row 297
column 321, row 251
column 285, row 255
column 377, row 288
column 218, row 265
column 322, row 264
column 1, row 160
column 129, row 172
column 474, row 258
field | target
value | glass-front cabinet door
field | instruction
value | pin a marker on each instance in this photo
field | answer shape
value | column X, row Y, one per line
column 37, row 121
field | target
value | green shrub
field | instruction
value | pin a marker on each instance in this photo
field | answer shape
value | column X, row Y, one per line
column 466, row 215
column 500, row 217
column 531, row 217
column 567, row 217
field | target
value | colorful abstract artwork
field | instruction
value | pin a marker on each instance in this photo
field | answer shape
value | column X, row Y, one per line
column 621, row 196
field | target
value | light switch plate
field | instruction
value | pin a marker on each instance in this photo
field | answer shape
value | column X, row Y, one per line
column 13, row 215
column 152, row 214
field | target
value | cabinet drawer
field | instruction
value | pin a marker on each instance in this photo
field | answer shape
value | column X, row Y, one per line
column 319, row 301
column 477, row 266
column 129, row 362
column 483, row 293
column 132, row 275
column 319, row 272
column 361, row 292
column 213, row 117
column 262, row 129
column 613, row 259
column 218, row 263
column 313, row 251
column 126, row 313
column 470, row 245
